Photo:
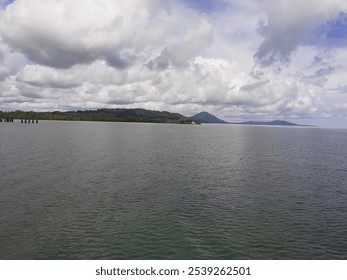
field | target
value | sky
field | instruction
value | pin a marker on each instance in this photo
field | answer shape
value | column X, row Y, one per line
column 240, row 60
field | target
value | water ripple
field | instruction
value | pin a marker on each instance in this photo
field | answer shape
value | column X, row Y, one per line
column 137, row 191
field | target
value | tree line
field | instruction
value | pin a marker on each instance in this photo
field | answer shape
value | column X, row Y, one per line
column 105, row 115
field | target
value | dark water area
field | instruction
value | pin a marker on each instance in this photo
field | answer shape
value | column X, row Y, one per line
column 89, row 190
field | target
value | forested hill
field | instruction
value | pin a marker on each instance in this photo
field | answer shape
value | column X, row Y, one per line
column 133, row 113
column 115, row 115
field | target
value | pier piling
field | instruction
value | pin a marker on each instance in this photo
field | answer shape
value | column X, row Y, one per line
column 22, row 120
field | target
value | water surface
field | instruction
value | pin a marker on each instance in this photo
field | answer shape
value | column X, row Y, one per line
column 90, row 190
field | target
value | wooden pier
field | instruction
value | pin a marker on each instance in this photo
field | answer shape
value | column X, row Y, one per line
column 18, row 116
column 8, row 120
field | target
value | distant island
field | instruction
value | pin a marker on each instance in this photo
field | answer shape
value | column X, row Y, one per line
column 276, row 122
column 130, row 115
column 206, row 117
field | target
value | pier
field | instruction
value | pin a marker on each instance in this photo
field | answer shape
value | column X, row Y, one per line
column 6, row 120
column 9, row 120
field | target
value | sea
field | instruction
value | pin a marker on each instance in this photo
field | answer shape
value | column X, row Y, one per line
column 98, row 190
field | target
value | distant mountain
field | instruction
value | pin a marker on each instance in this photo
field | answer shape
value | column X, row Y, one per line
column 206, row 117
column 276, row 122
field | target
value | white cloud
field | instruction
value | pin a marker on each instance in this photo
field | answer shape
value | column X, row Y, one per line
column 164, row 55
column 10, row 62
column 97, row 72
column 289, row 22
column 64, row 33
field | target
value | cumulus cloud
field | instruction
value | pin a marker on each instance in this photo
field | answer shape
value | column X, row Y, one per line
column 10, row 61
column 289, row 23
column 191, row 45
column 97, row 72
column 182, row 56
column 64, row 33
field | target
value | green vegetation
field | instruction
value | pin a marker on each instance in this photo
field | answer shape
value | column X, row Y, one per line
column 105, row 115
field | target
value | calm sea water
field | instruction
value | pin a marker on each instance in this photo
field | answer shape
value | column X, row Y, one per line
column 88, row 190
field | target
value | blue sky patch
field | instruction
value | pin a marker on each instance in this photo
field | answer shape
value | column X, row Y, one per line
column 334, row 30
column 5, row 3
column 205, row 6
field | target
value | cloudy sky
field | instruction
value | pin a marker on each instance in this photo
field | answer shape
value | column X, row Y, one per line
column 240, row 60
